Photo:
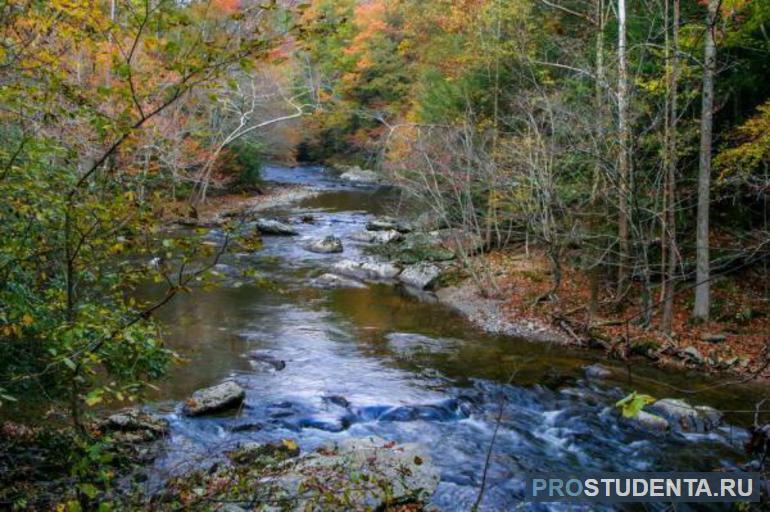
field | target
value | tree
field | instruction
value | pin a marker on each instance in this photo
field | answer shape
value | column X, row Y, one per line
column 670, row 248
column 624, row 157
column 80, row 135
column 702, row 306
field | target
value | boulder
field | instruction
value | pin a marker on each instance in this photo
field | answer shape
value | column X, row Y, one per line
column 214, row 399
column 327, row 245
column 417, row 247
column 357, row 175
column 420, row 275
column 385, row 474
column 389, row 224
column 685, row 417
column 382, row 224
column 337, row 400
column 377, row 237
column 646, row 421
column 597, row 371
column 386, row 237
column 262, row 357
column 274, row 227
column 692, row 354
column 334, row 281
column 367, row 270
column 136, row 425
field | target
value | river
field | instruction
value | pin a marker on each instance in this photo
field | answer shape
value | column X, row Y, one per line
column 378, row 361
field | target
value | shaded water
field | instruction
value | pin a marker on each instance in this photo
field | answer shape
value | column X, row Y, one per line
column 377, row 361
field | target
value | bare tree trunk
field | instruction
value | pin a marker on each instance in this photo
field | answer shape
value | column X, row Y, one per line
column 623, row 160
column 671, row 166
column 601, row 114
column 702, row 289
column 599, row 89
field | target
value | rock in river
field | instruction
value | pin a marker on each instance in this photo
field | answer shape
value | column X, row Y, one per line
column 262, row 357
column 358, row 175
column 643, row 420
column 274, row 227
column 597, row 371
column 334, row 281
column 136, row 425
column 377, row 237
column 214, row 399
column 685, row 417
column 328, row 245
column 420, row 275
column 366, row 270
column 388, row 224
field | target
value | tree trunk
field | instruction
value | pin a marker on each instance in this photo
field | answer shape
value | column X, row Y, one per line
column 671, row 166
column 702, row 289
column 623, row 161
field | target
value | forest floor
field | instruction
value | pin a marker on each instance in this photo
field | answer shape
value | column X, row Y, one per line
column 735, row 341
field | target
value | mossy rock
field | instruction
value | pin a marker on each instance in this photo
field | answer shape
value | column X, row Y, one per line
column 252, row 453
column 415, row 248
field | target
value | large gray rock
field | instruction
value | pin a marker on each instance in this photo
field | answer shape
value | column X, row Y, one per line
column 329, row 280
column 648, row 422
column 420, row 275
column 357, row 175
column 214, row 399
column 389, row 224
column 367, row 270
column 384, row 474
column 685, row 417
column 135, row 425
column 327, row 245
column 417, row 247
column 274, row 227
column 377, row 237
column 597, row 371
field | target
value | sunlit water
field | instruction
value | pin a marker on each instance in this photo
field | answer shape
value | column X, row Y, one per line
column 377, row 361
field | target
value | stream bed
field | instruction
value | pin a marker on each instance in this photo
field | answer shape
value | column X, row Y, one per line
column 378, row 361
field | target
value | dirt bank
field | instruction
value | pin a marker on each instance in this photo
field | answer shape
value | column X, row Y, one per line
column 734, row 343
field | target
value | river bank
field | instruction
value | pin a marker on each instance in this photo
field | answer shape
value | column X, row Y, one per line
column 733, row 345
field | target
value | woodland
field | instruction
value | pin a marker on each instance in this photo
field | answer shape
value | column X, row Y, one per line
column 620, row 148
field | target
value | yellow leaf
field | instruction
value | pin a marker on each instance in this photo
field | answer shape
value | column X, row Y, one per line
column 27, row 320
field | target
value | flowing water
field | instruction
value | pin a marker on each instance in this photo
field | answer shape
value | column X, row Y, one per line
column 378, row 361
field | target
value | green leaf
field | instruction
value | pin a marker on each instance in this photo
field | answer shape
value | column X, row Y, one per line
column 94, row 397
column 633, row 403
column 89, row 490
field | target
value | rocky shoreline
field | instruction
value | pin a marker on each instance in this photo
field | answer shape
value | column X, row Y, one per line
column 420, row 256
